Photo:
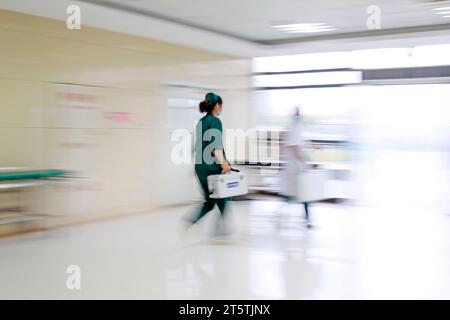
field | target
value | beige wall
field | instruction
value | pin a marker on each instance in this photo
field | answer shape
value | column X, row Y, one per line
column 93, row 102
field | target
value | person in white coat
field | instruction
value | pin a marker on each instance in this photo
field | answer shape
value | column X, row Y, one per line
column 296, row 158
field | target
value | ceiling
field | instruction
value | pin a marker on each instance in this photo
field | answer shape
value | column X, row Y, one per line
column 253, row 20
column 245, row 28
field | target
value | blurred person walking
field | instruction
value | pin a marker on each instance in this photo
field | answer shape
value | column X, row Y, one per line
column 209, row 158
column 296, row 158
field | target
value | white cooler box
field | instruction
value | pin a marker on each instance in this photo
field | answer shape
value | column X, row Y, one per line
column 311, row 185
column 227, row 185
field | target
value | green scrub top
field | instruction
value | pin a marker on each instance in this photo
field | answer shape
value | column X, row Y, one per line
column 208, row 138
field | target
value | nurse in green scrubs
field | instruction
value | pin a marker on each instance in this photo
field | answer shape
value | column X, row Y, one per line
column 209, row 153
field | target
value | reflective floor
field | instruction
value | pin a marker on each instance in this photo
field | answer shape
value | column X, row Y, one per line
column 353, row 252
column 382, row 247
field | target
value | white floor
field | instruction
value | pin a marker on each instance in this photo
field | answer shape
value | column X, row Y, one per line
column 353, row 252
column 392, row 245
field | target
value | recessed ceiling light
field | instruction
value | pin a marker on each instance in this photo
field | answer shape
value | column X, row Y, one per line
column 311, row 31
column 441, row 8
column 305, row 27
column 292, row 25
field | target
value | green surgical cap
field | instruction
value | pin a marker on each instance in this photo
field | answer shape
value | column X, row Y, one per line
column 212, row 97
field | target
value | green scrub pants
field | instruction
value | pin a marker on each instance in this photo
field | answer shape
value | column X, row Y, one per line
column 209, row 203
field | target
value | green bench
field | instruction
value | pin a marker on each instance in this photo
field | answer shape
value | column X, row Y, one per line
column 17, row 181
column 30, row 175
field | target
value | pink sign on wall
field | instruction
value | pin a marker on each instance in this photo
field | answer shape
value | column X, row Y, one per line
column 121, row 117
